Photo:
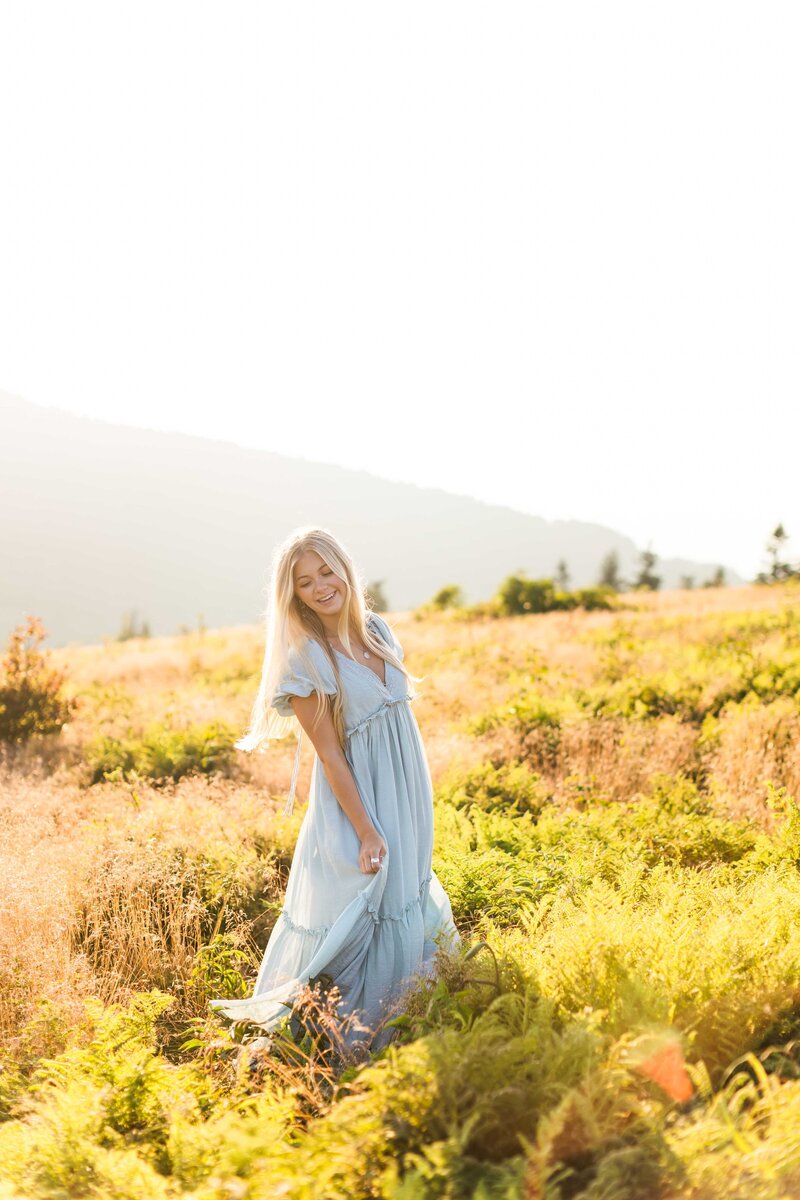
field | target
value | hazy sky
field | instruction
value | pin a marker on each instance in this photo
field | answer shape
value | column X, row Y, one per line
column 544, row 254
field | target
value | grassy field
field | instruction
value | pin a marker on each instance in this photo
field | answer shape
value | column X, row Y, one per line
column 617, row 827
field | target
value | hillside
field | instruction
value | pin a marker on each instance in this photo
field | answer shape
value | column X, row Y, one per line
column 102, row 519
column 618, row 830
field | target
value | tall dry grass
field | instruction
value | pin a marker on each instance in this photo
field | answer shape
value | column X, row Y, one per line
column 591, row 849
column 100, row 885
column 107, row 890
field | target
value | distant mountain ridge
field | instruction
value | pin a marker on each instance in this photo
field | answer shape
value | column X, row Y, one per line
column 99, row 519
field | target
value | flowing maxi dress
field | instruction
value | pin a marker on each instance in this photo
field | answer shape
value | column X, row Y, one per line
column 370, row 933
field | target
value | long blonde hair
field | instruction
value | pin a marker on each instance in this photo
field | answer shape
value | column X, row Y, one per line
column 288, row 625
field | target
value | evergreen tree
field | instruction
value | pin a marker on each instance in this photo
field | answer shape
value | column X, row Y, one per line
column 131, row 627
column 647, row 579
column 775, row 547
column 609, row 571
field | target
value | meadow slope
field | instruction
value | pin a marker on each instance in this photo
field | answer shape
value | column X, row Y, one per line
column 617, row 825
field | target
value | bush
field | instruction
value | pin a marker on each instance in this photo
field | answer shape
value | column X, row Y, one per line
column 504, row 786
column 30, row 691
column 601, row 596
column 100, row 1117
column 518, row 594
column 161, row 753
column 488, row 883
column 450, row 596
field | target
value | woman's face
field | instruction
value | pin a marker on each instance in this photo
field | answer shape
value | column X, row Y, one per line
column 317, row 585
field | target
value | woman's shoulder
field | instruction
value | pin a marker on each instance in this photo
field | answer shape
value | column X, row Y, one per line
column 315, row 651
column 304, row 658
column 308, row 650
column 381, row 625
column 386, row 632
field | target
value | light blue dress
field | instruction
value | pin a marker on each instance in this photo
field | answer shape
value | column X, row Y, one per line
column 371, row 933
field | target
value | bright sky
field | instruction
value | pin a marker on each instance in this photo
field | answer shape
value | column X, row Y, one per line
column 546, row 254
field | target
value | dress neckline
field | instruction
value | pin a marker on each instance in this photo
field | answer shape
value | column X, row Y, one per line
column 382, row 683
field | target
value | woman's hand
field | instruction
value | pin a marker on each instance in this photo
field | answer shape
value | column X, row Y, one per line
column 372, row 852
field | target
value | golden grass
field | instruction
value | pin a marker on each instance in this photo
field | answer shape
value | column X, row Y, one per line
column 617, row 900
column 76, row 863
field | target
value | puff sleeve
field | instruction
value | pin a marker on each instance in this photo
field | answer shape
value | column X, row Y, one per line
column 297, row 682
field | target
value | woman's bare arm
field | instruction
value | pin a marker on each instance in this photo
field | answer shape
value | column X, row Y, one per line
column 340, row 777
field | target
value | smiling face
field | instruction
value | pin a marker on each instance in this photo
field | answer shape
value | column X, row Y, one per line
column 319, row 587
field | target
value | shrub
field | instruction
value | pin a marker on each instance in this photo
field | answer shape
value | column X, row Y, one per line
column 517, row 594
column 97, row 1118
column 601, row 596
column 161, row 753
column 488, row 883
column 504, row 786
column 450, row 596
column 30, row 691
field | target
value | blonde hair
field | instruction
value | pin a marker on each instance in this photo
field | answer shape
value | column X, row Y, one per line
column 289, row 623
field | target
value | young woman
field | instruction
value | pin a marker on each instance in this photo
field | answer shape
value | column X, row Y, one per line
column 363, row 904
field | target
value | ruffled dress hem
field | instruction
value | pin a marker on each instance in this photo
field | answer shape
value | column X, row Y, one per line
column 318, row 946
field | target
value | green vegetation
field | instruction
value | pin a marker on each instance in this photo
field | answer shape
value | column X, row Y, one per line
column 31, row 692
column 622, row 1021
column 518, row 594
column 160, row 752
column 779, row 568
column 132, row 627
column 450, row 596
